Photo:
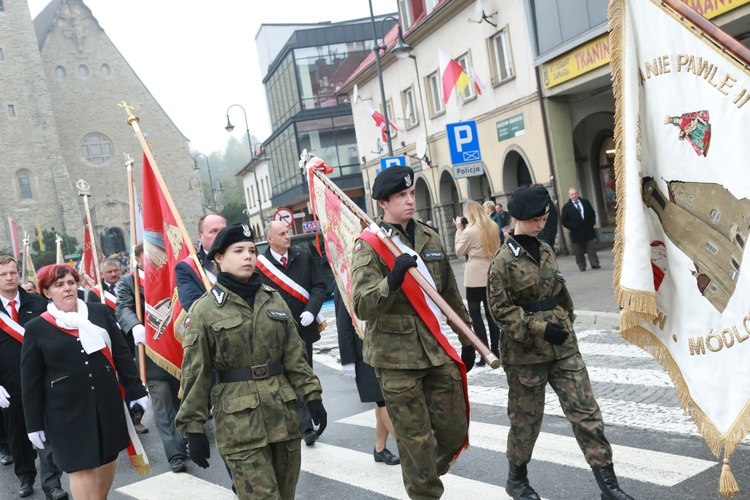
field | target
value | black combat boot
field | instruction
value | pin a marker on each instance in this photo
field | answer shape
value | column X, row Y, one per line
column 607, row 481
column 518, row 483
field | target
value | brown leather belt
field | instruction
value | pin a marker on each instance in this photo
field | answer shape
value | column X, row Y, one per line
column 257, row 372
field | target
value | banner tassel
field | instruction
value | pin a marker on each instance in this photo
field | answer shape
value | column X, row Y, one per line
column 727, row 484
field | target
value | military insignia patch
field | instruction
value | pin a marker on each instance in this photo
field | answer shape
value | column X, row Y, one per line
column 431, row 255
column 267, row 288
column 247, row 231
column 407, row 180
column 187, row 322
column 559, row 275
column 514, row 247
column 277, row 314
column 357, row 247
column 219, row 295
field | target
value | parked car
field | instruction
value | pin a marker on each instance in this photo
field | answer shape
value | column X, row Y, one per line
column 307, row 242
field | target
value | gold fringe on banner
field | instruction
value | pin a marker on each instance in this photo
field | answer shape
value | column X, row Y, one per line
column 162, row 362
column 141, row 467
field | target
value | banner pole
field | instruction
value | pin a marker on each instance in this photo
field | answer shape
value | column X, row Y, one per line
column 83, row 190
column 136, row 274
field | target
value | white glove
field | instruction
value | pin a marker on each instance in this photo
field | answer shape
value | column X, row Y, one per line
column 139, row 334
column 37, row 439
column 143, row 402
column 306, row 318
column 4, row 401
column 349, row 370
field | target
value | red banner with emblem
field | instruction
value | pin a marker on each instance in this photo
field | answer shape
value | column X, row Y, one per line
column 88, row 261
column 163, row 247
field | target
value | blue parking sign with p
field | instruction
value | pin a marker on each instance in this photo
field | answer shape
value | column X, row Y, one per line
column 392, row 161
column 463, row 142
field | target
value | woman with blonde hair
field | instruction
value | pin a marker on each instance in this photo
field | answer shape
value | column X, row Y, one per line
column 478, row 239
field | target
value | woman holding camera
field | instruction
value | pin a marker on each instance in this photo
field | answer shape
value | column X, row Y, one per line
column 478, row 239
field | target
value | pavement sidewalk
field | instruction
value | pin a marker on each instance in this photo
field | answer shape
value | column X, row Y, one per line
column 592, row 292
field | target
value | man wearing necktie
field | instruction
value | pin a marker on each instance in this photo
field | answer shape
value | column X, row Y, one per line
column 579, row 217
column 111, row 273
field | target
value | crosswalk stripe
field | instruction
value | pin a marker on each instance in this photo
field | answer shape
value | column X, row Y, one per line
column 634, row 463
column 358, row 469
column 170, row 485
column 632, row 376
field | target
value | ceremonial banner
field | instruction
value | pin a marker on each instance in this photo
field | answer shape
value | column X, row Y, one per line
column 88, row 261
column 163, row 248
column 683, row 215
column 29, row 271
column 13, row 232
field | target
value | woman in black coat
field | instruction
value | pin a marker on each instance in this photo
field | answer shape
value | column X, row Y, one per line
column 71, row 358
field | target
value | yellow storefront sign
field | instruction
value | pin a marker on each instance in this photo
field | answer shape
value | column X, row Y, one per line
column 595, row 53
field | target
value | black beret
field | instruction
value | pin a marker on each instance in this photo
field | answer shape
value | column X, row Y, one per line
column 528, row 202
column 392, row 180
column 227, row 236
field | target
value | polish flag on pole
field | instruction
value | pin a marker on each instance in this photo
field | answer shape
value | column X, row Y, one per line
column 452, row 75
column 13, row 231
column 380, row 122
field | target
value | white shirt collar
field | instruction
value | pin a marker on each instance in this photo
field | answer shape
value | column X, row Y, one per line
column 17, row 298
column 278, row 256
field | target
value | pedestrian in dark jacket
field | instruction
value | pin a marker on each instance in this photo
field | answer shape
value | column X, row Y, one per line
column 579, row 217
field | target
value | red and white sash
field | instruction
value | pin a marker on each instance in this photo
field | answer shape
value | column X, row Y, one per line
column 286, row 283
column 11, row 327
column 425, row 307
column 109, row 298
column 136, row 453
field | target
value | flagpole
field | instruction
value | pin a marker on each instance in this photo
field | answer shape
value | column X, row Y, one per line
column 311, row 162
column 25, row 253
column 136, row 274
column 133, row 122
column 59, row 259
column 83, row 190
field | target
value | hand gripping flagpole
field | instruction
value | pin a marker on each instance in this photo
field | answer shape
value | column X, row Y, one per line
column 133, row 122
column 136, row 274
column 83, row 190
column 314, row 167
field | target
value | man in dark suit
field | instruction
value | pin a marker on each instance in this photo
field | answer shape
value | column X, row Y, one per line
column 17, row 307
column 297, row 265
column 111, row 273
column 162, row 387
column 190, row 287
column 578, row 217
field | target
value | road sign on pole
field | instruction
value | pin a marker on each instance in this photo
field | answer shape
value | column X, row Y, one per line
column 284, row 215
column 391, row 161
column 463, row 142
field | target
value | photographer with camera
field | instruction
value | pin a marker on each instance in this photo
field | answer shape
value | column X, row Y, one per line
column 478, row 238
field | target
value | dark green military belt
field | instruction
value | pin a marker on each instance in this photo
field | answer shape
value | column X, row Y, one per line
column 539, row 305
column 257, row 372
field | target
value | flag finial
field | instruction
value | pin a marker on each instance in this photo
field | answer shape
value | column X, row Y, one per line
column 129, row 110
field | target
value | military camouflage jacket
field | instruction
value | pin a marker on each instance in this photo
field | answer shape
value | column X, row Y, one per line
column 224, row 333
column 516, row 278
column 396, row 337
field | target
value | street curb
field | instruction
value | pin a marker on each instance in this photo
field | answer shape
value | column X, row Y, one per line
column 599, row 319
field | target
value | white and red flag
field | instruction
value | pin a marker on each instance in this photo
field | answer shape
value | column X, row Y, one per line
column 13, row 233
column 453, row 75
column 380, row 122
column 681, row 87
column 164, row 247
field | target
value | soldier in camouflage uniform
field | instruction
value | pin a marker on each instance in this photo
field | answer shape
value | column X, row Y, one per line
column 529, row 300
column 244, row 331
column 421, row 385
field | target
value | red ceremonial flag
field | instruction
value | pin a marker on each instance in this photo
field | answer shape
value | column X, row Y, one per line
column 13, row 230
column 163, row 248
column 452, row 75
column 380, row 122
column 88, row 262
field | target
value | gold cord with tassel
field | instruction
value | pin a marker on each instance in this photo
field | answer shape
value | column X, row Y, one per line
column 727, row 484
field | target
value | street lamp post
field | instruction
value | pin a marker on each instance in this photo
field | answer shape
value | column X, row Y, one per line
column 377, row 49
column 200, row 190
column 229, row 128
column 210, row 180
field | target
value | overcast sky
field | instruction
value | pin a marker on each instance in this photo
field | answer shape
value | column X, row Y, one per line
column 210, row 46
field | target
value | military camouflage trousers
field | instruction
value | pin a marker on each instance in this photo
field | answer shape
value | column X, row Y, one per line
column 428, row 411
column 570, row 380
column 267, row 473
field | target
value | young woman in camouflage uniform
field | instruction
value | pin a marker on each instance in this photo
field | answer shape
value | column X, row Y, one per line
column 245, row 332
column 529, row 300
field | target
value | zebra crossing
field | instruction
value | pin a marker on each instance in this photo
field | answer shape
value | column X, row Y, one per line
column 634, row 393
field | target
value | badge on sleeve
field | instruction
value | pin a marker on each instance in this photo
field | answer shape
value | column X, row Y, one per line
column 559, row 276
column 357, row 247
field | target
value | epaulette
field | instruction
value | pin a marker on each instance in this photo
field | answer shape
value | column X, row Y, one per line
column 268, row 288
column 218, row 294
column 388, row 229
column 514, row 247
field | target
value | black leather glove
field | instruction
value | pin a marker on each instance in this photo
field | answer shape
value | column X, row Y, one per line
column 200, row 450
column 318, row 414
column 555, row 334
column 400, row 266
column 468, row 355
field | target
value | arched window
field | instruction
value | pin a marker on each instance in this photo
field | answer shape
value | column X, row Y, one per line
column 24, row 186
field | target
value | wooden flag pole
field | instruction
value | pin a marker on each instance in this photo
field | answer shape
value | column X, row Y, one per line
column 25, row 254
column 133, row 122
column 83, row 190
column 136, row 274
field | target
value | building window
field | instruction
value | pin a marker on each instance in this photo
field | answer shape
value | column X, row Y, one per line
column 410, row 112
column 470, row 92
column 60, row 72
column 391, row 117
column 2, row 7
column 24, row 186
column 435, row 94
column 502, row 62
column 430, row 4
column 96, row 148
column 11, row 110
column 404, row 9
column 105, row 69
column 83, row 70
column 268, row 188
